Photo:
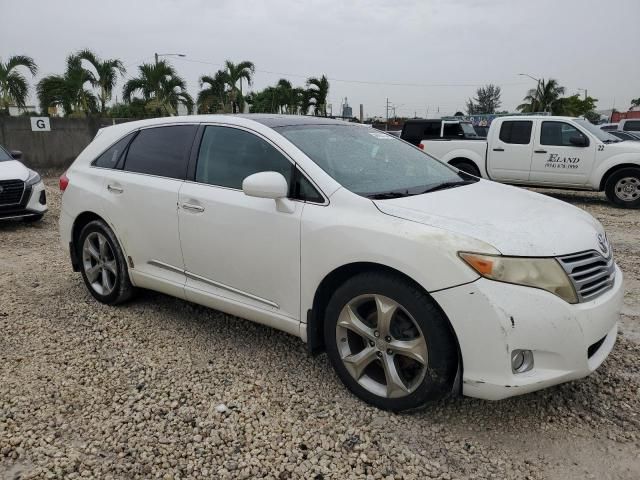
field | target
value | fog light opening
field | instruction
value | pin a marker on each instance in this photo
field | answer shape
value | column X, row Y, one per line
column 521, row 361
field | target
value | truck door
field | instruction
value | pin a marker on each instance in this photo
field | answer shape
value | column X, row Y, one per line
column 509, row 151
column 562, row 154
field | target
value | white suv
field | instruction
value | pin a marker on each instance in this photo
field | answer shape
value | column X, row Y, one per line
column 416, row 279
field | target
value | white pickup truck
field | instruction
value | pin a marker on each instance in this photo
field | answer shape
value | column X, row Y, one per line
column 546, row 151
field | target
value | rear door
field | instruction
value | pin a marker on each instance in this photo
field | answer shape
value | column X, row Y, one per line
column 141, row 202
column 556, row 160
column 509, row 152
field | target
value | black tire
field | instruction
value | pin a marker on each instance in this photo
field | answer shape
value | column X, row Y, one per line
column 122, row 289
column 33, row 218
column 467, row 167
column 612, row 185
column 441, row 367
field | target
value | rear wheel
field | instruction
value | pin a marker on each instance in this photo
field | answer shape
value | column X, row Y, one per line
column 103, row 266
column 623, row 188
column 389, row 343
column 467, row 167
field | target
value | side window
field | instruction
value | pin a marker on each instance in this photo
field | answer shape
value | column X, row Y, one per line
column 161, row 151
column 452, row 130
column 632, row 126
column 516, row 131
column 229, row 155
column 109, row 159
column 302, row 189
column 558, row 134
column 431, row 130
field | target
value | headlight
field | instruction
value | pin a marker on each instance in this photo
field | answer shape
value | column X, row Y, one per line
column 33, row 178
column 544, row 273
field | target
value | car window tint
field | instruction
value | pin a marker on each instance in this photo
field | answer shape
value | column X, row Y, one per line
column 229, row 155
column 161, row 151
column 558, row 134
column 632, row 126
column 304, row 190
column 452, row 130
column 109, row 159
column 517, row 131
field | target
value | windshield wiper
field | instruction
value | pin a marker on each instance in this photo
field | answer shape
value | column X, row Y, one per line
column 445, row 185
column 387, row 195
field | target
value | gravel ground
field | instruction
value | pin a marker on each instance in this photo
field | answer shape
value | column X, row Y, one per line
column 160, row 388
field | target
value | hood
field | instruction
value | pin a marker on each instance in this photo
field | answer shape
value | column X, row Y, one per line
column 513, row 220
column 13, row 170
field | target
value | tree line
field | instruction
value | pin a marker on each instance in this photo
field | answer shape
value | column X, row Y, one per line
column 87, row 86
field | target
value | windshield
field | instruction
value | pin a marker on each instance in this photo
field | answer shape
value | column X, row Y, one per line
column 596, row 131
column 4, row 155
column 371, row 163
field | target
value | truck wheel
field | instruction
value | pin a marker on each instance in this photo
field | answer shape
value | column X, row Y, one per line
column 623, row 188
column 466, row 167
column 389, row 343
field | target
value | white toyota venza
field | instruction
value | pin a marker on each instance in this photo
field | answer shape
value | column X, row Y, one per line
column 418, row 280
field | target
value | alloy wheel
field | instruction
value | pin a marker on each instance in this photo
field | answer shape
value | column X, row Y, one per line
column 99, row 263
column 381, row 346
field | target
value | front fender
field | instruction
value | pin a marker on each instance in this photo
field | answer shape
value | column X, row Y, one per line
column 603, row 167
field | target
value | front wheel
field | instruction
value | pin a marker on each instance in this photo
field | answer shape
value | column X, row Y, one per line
column 623, row 188
column 389, row 343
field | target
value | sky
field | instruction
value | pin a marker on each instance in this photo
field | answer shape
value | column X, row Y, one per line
column 426, row 56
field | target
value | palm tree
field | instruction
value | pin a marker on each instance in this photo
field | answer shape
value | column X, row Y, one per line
column 70, row 90
column 161, row 87
column 213, row 98
column 290, row 98
column 318, row 92
column 13, row 85
column 106, row 74
column 542, row 98
column 235, row 73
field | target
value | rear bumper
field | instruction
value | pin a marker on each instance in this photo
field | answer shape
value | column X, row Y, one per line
column 492, row 319
column 33, row 203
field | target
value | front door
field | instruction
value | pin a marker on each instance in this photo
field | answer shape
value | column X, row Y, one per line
column 238, row 249
column 557, row 158
column 509, row 154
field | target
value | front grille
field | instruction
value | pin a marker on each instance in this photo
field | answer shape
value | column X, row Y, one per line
column 591, row 273
column 591, row 351
column 11, row 192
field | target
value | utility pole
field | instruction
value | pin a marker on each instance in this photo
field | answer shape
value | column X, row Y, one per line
column 386, row 123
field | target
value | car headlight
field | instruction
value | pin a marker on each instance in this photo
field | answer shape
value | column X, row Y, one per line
column 543, row 273
column 33, row 179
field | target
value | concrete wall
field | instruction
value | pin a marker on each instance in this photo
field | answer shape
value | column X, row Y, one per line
column 49, row 150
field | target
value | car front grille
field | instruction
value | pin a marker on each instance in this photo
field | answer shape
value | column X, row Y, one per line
column 11, row 192
column 591, row 273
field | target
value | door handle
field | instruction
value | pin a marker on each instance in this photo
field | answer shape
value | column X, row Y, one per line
column 193, row 208
column 498, row 149
column 113, row 189
column 539, row 151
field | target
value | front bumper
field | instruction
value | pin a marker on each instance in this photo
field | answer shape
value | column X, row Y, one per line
column 33, row 203
column 491, row 319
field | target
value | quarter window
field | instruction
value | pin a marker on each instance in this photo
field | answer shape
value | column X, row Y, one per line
column 229, row 155
column 109, row 159
column 516, row 131
column 558, row 134
column 161, row 151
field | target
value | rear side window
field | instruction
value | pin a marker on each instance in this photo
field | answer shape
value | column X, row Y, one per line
column 109, row 159
column 415, row 131
column 229, row 155
column 632, row 126
column 516, row 131
column 452, row 130
column 161, row 151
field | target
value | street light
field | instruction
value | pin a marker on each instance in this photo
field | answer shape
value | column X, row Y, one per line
column 168, row 55
column 532, row 78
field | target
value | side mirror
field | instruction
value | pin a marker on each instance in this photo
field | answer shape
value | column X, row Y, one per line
column 265, row 185
column 578, row 141
column 16, row 154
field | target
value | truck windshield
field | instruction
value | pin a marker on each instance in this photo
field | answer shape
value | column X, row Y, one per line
column 371, row 163
column 596, row 131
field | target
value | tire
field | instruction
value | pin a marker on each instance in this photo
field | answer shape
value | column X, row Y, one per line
column 33, row 218
column 467, row 167
column 366, row 361
column 111, row 284
column 623, row 188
